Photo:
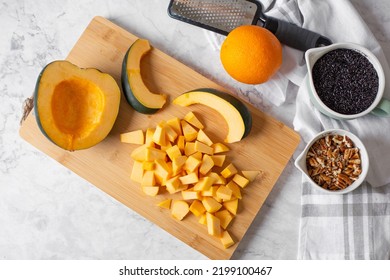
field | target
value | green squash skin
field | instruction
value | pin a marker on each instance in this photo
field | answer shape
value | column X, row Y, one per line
column 38, row 119
column 138, row 106
column 239, row 105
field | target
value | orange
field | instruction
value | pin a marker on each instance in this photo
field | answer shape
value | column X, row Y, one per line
column 251, row 54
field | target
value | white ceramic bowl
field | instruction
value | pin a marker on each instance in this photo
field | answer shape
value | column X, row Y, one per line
column 300, row 162
column 379, row 107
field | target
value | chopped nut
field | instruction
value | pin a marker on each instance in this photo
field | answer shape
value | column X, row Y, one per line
column 313, row 162
column 333, row 162
column 354, row 161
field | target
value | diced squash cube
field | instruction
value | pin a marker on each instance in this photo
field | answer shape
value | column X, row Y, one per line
column 213, row 225
column 180, row 161
column 140, row 153
column 133, row 137
column 137, row 172
column 174, row 182
column 148, row 179
column 165, row 203
column 235, row 189
column 192, row 119
column 224, row 193
column 229, row 171
column 211, row 204
column 189, row 148
column 210, row 192
column 175, row 124
column 218, row 160
column 203, row 148
column 173, row 152
column 177, row 164
column 197, row 208
column 150, row 190
column 219, row 180
column 204, row 183
column 189, row 132
column 174, row 185
column 202, row 137
column 179, row 209
column 219, row 148
column 162, row 170
column 149, row 137
column 225, row 217
column 240, row 180
column 250, row 175
column 191, row 164
column 148, row 165
column 198, row 155
column 189, row 195
column 206, row 165
column 226, row 239
column 190, row 178
column 202, row 220
column 160, row 136
column 170, row 133
column 164, row 165
column 181, row 143
column 155, row 154
column 232, row 206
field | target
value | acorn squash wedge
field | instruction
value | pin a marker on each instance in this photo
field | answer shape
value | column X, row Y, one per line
column 75, row 108
column 135, row 90
column 237, row 116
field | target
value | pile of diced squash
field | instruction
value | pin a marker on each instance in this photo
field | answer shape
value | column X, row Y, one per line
column 178, row 156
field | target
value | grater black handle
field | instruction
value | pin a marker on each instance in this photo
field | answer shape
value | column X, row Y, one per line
column 295, row 36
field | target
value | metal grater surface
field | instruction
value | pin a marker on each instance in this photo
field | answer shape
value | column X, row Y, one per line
column 218, row 15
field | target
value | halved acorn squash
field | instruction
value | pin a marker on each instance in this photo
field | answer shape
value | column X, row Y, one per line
column 135, row 90
column 236, row 114
column 75, row 108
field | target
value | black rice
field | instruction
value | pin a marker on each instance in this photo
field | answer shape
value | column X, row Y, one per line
column 346, row 81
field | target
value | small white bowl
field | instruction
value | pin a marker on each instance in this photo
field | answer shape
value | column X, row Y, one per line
column 380, row 106
column 300, row 162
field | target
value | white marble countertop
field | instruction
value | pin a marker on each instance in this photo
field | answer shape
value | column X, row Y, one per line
column 48, row 212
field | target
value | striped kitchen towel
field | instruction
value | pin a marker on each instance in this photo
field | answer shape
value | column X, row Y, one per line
column 350, row 226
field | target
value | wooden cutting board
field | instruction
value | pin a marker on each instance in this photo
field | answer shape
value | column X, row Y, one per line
column 108, row 165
